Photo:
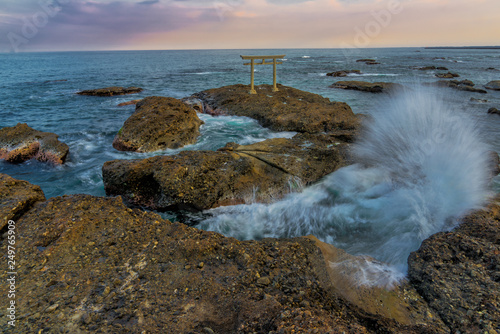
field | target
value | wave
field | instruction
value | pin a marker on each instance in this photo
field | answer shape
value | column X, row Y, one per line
column 420, row 166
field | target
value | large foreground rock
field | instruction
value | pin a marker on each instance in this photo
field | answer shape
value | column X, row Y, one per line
column 458, row 272
column 16, row 197
column 111, row 91
column 289, row 109
column 88, row 264
column 20, row 143
column 199, row 180
column 158, row 123
column 371, row 87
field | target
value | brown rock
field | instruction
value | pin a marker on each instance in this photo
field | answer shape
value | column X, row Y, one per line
column 366, row 60
column 458, row 272
column 372, row 87
column 199, row 180
column 493, row 110
column 448, row 75
column 465, row 85
column 128, row 103
column 20, row 143
column 289, row 109
column 111, row 91
column 494, row 85
column 158, row 123
column 90, row 264
column 343, row 73
column 16, row 197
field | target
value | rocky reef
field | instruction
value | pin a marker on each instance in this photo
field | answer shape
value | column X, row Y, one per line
column 371, row 87
column 493, row 85
column 289, row 109
column 158, row 123
column 21, row 143
column 111, row 91
column 198, row 180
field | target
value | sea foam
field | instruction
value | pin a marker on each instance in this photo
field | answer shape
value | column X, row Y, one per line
column 420, row 166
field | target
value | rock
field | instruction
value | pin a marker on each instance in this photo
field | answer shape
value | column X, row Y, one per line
column 495, row 164
column 473, row 99
column 111, row 91
column 372, row 87
column 343, row 73
column 128, row 103
column 20, row 143
column 289, row 109
column 16, row 197
column 366, row 60
column 427, row 68
column 458, row 272
column 158, row 123
column 448, row 75
column 494, row 85
column 465, row 85
column 132, row 279
column 493, row 110
column 491, row 69
column 199, row 180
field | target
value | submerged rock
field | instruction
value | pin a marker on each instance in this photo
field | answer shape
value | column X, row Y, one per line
column 158, row 123
column 458, row 272
column 16, row 197
column 199, row 180
column 448, row 75
column 372, row 87
column 289, row 109
column 111, row 91
column 21, row 143
column 494, row 85
column 128, row 103
column 343, row 73
column 91, row 264
column 493, row 110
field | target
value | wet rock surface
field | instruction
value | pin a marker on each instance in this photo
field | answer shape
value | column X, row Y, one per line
column 289, row 109
column 371, row 87
column 198, row 180
column 493, row 110
column 90, row 264
column 111, row 91
column 458, row 272
column 158, row 123
column 343, row 73
column 21, row 143
column 493, row 85
column 448, row 75
column 465, row 85
column 16, row 197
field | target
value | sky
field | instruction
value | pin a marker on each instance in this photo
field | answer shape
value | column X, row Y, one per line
column 84, row 25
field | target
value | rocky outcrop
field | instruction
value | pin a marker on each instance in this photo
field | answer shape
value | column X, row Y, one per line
column 343, row 73
column 128, row 103
column 91, row 264
column 198, row 180
column 448, row 75
column 158, row 123
column 464, row 85
column 368, row 61
column 289, row 109
column 458, row 272
column 16, row 197
column 111, row 91
column 20, row 143
column 371, row 87
column 493, row 85
column 431, row 68
column 493, row 110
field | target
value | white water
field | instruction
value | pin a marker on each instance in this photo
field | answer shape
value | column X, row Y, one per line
column 420, row 165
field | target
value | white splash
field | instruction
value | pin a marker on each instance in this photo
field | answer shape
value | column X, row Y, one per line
column 420, row 165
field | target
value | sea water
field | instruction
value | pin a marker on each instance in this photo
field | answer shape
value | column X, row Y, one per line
column 40, row 89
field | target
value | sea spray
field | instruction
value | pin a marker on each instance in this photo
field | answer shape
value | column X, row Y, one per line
column 420, row 165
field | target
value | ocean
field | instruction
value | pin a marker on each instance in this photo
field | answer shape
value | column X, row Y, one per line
column 40, row 89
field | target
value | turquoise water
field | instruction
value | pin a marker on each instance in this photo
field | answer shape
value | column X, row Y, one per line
column 39, row 89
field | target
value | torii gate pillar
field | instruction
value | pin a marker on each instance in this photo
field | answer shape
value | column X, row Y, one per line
column 252, row 63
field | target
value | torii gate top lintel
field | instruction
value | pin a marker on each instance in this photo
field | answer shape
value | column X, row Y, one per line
column 252, row 63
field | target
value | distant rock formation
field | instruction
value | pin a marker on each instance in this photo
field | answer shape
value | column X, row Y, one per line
column 493, row 85
column 465, row 85
column 158, row 123
column 371, row 87
column 111, row 91
column 343, row 73
column 21, row 143
column 448, row 75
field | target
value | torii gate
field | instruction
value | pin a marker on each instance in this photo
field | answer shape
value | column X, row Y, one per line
column 252, row 63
